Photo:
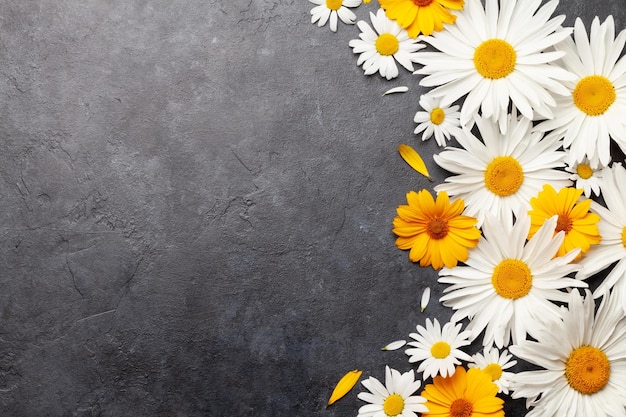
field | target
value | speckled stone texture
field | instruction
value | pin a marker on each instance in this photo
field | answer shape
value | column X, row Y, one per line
column 196, row 206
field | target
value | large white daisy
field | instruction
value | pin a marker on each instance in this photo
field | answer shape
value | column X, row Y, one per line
column 442, row 121
column 508, row 284
column 593, row 110
column 438, row 349
column 612, row 228
column 395, row 398
column 495, row 364
column 583, row 359
column 497, row 55
column 380, row 47
column 504, row 171
column 331, row 10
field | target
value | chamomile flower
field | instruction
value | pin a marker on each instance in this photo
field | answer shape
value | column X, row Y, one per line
column 421, row 16
column 380, row 47
column 495, row 364
column 583, row 359
column 331, row 10
column 395, row 398
column 496, row 56
column 502, row 172
column 612, row 228
column 593, row 110
column 507, row 285
column 585, row 176
column 573, row 218
column 442, row 121
column 437, row 349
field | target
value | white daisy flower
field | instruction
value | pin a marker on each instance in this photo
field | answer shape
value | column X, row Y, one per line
column 498, row 55
column 504, row 171
column 583, row 359
column 593, row 110
column 494, row 364
column 380, row 47
column 612, row 228
column 331, row 9
column 585, row 176
column 442, row 121
column 507, row 285
column 395, row 398
column 437, row 349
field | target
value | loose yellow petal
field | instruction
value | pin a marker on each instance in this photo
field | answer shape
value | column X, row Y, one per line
column 344, row 385
column 414, row 159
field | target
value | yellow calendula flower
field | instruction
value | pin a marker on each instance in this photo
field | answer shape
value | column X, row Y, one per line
column 464, row 394
column 580, row 225
column 436, row 232
column 421, row 16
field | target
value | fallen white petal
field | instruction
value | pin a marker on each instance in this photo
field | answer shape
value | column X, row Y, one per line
column 425, row 298
column 402, row 89
column 395, row 345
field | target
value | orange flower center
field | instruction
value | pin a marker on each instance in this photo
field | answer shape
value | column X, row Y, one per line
column 584, row 171
column 494, row 59
column 594, row 95
column 494, row 370
column 393, row 405
column 564, row 223
column 587, row 369
column 440, row 350
column 422, row 3
column 437, row 116
column 437, row 228
column 334, row 4
column 504, row 176
column 387, row 44
column 461, row 408
column 512, row 279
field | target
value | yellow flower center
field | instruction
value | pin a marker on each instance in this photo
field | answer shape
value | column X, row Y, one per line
column 437, row 228
column 594, row 95
column 584, row 171
column 387, row 44
column 461, row 408
column 495, row 58
column 440, row 350
column 494, row 371
column 564, row 223
column 334, row 4
column 504, row 176
column 422, row 3
column 624, row 236
column 512, row 279
column 437, row 116
column 587, row 369
column 393, row 405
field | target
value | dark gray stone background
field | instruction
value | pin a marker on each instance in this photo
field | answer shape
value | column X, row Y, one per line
column 196, row 207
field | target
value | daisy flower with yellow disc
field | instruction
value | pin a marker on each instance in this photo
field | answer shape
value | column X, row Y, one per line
column 330, row 10
column 421, row 16
column 495, row 364
column 503, row 171
column 508, row 285
column 437, row 349
column 464, row 394
column 435, row 232
column 585, row 176
column 593, row 110
column 395, row 398
column 381, row 47
column 573, row 218
column 442, row 121
column 612, row 228
column 583, row 361
column 498, row 55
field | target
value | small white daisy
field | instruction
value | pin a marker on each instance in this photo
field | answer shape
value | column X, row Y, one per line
column 498, row 55
column 442, row 121
column 593, row 110
column 583, row 359
column 507, row 285
column 379, row 47
column 494, row 364
column 395, row 398
column 331, row 9
column 503, row 171
column 585, row 176
column 437, row 349
column 612, row 227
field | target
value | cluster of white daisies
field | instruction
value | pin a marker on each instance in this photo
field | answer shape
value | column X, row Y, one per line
column 534, row 107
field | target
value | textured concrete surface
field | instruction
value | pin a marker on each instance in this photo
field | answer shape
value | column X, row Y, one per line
column 196, row 206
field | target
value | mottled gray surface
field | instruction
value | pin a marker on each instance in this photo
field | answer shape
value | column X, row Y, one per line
column 196, row 206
